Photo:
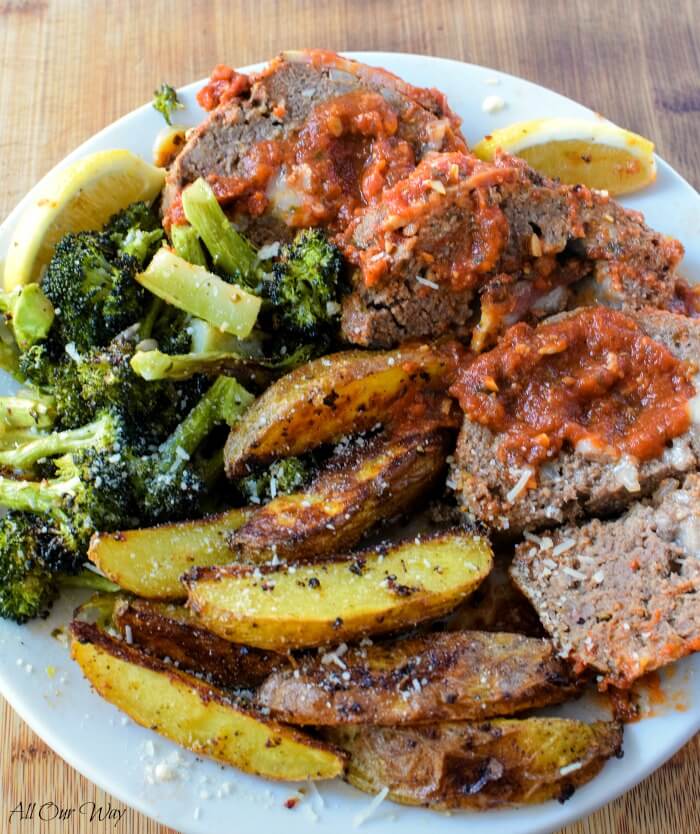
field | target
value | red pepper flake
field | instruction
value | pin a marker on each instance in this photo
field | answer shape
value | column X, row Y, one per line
column 291, row 803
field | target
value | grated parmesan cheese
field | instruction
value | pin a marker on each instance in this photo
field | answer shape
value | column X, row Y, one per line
column 371, row 809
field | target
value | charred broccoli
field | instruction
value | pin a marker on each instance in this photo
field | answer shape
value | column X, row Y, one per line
column 305, row 285
column 280, row 478
column 91, row 285
column 135, row 231
column 167, row 483
column 90, row 279
column 34, row 565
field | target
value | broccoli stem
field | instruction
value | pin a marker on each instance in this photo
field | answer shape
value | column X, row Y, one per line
column 9, row 353
column 224, row 402
column 149, row 320
column 40, row 497
column 87, row 578
column 11, row 438
column 229, row 250
column 198, row 292
column 154, row 365
column 58, row 443
column 30, row 313
column 186, row 243
column 24, row 412
column 211, row 469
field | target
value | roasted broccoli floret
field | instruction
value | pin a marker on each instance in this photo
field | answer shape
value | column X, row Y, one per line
column 90, row 492
column 280, row 478
column 28, row 312
column 33, row 567
column 91, row 285
column 305, row 284
column 83, row 385
column 135, row 231
column 167, row 484
column 165, row 100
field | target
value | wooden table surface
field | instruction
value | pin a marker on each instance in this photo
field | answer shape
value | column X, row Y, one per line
column 70, row 67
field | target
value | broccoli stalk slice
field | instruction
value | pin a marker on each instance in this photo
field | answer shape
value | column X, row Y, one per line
column 101, row 433
column 224, row 402
column 196, row 291
column 41, row 497
column 87, row 578
column 25, row 412
column 30, row 314
column 154, row 365
column 186, row 243
column 12, row 438
column 9, row 353
column 229, row 250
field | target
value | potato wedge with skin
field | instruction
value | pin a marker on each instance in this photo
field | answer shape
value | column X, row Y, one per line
column 478, row 765
column 358, row 490
column 172, row 631
column 150, row 562
column 446, row 676
column 195, row 714
column 323, row 400
column 372, row 592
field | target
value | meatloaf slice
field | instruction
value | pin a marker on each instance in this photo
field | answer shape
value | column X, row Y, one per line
column 268, row 185
column 621, row 597
column 579, row 481
column 456, row 230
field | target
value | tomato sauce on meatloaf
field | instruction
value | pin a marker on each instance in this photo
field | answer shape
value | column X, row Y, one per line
column 593, row 378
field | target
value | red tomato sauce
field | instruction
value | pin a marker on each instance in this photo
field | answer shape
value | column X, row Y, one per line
column 595, row 377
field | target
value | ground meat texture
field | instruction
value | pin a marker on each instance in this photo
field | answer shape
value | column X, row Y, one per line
column 621, row 597
column 307, row 139
column 458, row 226
column 579, row 481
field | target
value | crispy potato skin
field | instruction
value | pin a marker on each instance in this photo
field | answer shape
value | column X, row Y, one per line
column 172, row 631
column 357, row 491
column 448, row 676
column 324, row 400
column 478, row 765
column 150, row 562
column 373, row 592
column 195, row 714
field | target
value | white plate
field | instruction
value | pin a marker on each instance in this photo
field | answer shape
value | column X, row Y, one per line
column 207, row 799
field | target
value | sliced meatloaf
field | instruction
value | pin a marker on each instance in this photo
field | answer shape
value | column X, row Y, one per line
column 457, row 234
column 621, row 597
column 561, row 478
column 306, row 140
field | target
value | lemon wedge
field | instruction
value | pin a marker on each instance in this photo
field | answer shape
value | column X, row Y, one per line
column 82, row 196
column 595, row 153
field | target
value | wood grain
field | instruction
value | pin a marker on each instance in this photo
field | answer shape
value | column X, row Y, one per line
column 70, row 67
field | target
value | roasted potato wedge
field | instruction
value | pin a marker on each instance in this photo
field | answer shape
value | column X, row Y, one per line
column 196, row 715
column 375, row 591
column 447, row 676
column 150, row 562
column 371, row 484
column 478, row 765
column 328, row 398
column 172, row 631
